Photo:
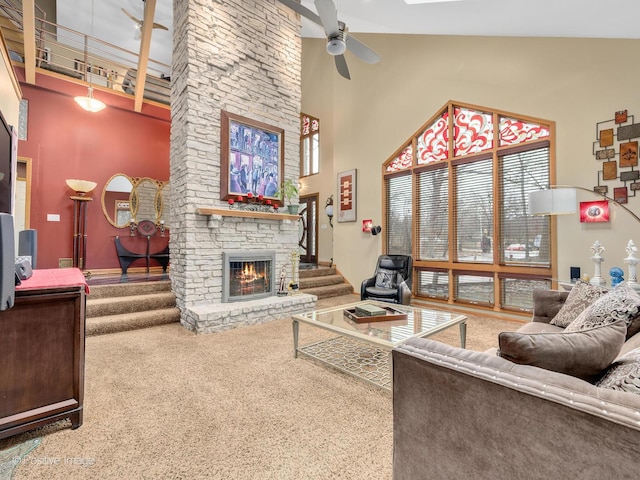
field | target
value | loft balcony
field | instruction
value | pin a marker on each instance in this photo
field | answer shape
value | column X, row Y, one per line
column 44, row 47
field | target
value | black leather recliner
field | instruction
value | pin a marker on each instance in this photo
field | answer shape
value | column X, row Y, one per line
column 391, row 281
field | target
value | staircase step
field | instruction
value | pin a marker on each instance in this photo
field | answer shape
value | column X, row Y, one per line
column 119, row 305
column 131, row 321
column 320, row 281
column 128, row 289
column 316, row 272
column 330, row 290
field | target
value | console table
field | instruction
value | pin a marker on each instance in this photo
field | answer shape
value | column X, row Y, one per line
column 42, row 352
column 127, row 257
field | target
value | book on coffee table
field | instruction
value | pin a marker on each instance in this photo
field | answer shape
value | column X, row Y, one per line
column 368, row 310
column 388, row 314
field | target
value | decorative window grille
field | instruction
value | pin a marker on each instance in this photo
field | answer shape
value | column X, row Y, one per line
column 309, row 145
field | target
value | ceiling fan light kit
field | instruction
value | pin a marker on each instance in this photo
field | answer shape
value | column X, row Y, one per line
column 336, row 46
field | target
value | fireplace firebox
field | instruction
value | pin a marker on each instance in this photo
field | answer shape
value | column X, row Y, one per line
column 248, row 275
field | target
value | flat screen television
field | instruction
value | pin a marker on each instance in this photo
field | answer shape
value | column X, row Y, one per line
column 8, row 146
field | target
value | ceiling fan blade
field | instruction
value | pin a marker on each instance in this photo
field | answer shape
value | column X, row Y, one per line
column 361, row 51
column 329, row 16
column 160, row 26
column 341, row 66
column 137, row 20
column 302, row 10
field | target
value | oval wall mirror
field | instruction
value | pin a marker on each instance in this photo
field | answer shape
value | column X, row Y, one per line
column 116, row 200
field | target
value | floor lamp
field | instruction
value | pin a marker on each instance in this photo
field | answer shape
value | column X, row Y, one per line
column 80, row 201
column 561, row 199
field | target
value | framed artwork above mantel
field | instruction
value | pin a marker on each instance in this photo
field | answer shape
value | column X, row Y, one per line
column 251, row 158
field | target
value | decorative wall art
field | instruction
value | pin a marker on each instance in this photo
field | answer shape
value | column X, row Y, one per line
column 347, row 196
column 251, row 158
column 616, row 146
column 366, row 225
column 594, row 211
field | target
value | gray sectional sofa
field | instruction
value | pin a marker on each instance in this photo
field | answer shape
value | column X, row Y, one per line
column 460, row 414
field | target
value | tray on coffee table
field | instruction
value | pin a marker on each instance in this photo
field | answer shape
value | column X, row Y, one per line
column 392, row 314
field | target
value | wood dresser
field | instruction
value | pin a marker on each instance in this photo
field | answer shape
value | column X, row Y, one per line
column 42, row 352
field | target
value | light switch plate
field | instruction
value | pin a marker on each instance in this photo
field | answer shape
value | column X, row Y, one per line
column 53, row 217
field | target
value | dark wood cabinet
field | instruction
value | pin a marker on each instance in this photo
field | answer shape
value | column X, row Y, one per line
column 42, row 354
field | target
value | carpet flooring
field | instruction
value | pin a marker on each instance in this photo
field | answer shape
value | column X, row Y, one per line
column 164, row 403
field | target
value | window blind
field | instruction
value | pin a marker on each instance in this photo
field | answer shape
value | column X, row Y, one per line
column 474, row 211
column 399, row 212
column 525, row 238
column 433, row 214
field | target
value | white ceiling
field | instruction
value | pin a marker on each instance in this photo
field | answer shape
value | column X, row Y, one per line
column 548, row 18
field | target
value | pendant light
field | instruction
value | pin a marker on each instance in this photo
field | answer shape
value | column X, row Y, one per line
column 89, row 103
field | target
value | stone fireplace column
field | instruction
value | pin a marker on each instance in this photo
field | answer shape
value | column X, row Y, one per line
column 244, row 57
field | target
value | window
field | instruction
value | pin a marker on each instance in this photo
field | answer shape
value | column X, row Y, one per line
column 398, row 215
column 471, row 236
column 309, row 145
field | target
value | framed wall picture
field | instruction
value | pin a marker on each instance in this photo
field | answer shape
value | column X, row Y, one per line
column 597, row 211
column 251, row 158
column 620, row 194
column 347, row 194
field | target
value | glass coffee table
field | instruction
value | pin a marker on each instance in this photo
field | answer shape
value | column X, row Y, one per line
column 363, row 349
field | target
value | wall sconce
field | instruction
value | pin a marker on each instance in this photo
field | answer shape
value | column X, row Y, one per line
column 328, row 209
column 376, row 230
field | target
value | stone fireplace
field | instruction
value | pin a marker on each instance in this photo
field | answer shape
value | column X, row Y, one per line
column 226, row 58
column 248, row 275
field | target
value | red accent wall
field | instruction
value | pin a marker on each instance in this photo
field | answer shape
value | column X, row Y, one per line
column 64, row 141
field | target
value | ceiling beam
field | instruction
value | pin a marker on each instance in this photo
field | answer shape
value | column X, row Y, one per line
column 29, row 33
column 145, row 45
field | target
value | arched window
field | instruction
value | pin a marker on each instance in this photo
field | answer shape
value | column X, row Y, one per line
column 459, row 206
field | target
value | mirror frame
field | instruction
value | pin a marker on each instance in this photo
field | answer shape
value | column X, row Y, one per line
column 104, row 192
column 158, row 199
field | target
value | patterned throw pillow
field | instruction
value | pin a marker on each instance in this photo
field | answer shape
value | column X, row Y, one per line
column 624, row 374
column 621, row 303
column 581, row 296
column 383, row 280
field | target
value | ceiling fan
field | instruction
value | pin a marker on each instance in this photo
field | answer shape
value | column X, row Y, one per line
column 139, row 24
column 338, row 39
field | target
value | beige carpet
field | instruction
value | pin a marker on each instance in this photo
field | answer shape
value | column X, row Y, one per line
column 163, row 403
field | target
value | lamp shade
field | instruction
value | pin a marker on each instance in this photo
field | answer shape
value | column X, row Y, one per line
column 89, row 103
column 552, row 202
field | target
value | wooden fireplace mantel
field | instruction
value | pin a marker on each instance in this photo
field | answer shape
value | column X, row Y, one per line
column 247, row 214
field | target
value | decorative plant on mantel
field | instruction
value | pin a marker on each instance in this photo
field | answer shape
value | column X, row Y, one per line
column 287, row 192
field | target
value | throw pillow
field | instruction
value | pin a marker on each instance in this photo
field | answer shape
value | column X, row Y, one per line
column 621, row 303
column 624, row 374
column 581, row 296
column 383, row 280
column 583, row 354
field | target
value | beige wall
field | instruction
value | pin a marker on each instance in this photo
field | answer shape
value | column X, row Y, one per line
column 574, row 82
column 10, row 93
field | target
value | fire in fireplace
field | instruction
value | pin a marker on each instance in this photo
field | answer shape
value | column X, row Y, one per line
column 247, row 275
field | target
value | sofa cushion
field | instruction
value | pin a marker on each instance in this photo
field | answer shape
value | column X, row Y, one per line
column 583, row 354
column 623, row 374
column 538, row 327
column 621, row 303
column 581, row 296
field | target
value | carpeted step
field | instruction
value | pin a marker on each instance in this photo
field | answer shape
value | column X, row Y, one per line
column 131, row 321
column 330, row 290
column 320, row 281
column 128, row 289
column 130, row 304
column 316, row 272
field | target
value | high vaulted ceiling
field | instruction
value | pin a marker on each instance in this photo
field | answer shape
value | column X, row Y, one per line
column 547, row 18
